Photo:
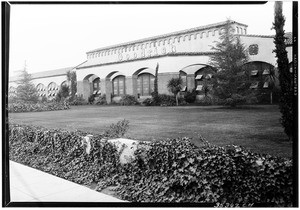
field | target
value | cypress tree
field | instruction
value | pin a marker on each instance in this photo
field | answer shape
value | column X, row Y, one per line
column 285, row 78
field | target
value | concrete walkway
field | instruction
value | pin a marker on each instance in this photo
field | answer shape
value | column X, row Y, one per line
column 31, row 185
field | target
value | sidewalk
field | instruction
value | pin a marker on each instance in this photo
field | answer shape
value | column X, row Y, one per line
column 31, row 185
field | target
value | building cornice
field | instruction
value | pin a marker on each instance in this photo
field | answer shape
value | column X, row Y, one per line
column 191, row 30
column 152, row 57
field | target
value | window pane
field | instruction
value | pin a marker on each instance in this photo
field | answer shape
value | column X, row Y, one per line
column 139, row 85
column 121, row 86
column 115, row 86
column 152, row 78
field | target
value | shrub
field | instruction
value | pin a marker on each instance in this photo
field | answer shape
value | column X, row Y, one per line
column 206, row 101
column 173, row 170
column 101, row 100
column 62, row 154
column 177, row 171
column 117, row 130
column 148, row 102
column 128, row 100
column 37, row 107
column 78, row 100
column 91, row 99
column 190, row 96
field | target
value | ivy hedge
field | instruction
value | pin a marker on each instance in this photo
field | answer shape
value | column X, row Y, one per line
column 173, row 170
column 37, row 107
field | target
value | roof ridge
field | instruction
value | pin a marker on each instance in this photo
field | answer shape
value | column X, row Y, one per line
column 166, row 35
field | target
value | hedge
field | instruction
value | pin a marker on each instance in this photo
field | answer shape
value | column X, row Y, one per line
column 163, row 171
column 37, row 107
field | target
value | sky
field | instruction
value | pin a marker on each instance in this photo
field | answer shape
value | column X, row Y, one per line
column 49, row 37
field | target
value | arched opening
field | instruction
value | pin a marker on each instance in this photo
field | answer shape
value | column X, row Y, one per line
column 203, row 80
column 41, row 89
column 193, row 75
column 118, row 86
column 263, row 79
column 145, row 84
column 52, row 90
column 91, row 86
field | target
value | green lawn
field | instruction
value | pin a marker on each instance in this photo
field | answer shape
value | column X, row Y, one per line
column 256, row 128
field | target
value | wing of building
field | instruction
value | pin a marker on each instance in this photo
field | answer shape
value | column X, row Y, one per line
column 129, row 68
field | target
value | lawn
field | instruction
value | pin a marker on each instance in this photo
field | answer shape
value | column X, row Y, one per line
column 256, row 127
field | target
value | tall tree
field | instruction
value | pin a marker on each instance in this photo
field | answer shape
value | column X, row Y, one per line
column 271, row 80
column 156, row 81
column 26, row 90
column 231, row 84
column 72, row 78
column 285, row 78
column 174, row 86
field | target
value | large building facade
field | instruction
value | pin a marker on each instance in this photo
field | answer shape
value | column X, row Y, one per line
column 129, row 68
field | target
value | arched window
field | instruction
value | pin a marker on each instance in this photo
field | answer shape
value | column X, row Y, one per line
column 119, row 86
column 145, row 84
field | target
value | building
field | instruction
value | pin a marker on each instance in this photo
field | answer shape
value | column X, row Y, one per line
column 129, row 68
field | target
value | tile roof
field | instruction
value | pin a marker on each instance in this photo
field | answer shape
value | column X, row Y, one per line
column 50, row 73
column 288, row 35
column 167, row 35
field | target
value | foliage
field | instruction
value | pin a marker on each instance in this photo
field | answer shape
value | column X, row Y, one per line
column 26, row 91
column 63, row 93
column 173, row 170
column 37, row 107
column 72, row 78
column 205, row 101
column 155, row 92
column 101, row 100
column 190, row 96
column 62, row 154
column 128, row 100
column 230, row 81
column 285, row 78
column 91, row 99
column 177, row 171
column 174, row 86
column 117, row 130
column 77, row 100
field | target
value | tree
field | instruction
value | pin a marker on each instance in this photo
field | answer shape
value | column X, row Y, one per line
column 64, row 92
column 271, row 80
column 231, row 83
column 156, row 81
column 285, row 78
column 174, row 86
column 26, row 90
column 72, row 79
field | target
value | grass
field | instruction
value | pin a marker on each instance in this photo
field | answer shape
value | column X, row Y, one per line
column 255, row 127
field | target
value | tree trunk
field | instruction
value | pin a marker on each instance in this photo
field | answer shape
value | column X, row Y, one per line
column 271, row 97
column 176, row 96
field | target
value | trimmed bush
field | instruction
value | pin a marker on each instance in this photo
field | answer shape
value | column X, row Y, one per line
column 37, row 107
column 78, row 100
column 128, row 100
column 190, row 96
column 101, row 100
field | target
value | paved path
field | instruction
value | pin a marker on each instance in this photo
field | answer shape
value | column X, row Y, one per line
column 28, row 184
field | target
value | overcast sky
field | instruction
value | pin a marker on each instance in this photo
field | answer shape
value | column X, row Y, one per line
column 50, row 37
